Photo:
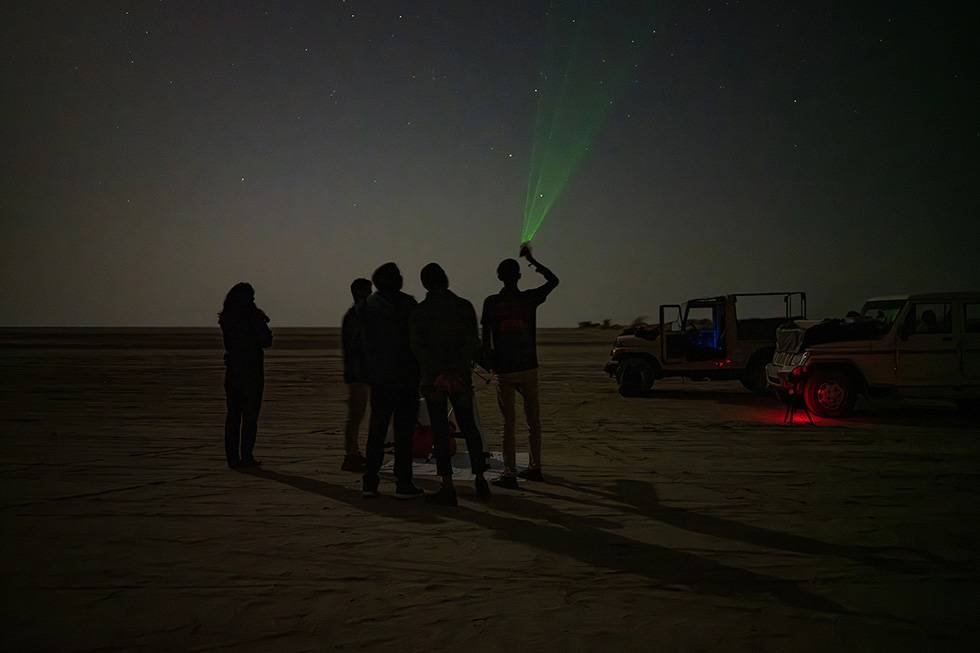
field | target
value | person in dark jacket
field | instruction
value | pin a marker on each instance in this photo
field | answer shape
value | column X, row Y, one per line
column 245, row 330
column 510, row 348
column 355, row 376
column 445, row 341
column 393, row 374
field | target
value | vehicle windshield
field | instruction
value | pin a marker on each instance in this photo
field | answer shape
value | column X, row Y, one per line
column 884, row 312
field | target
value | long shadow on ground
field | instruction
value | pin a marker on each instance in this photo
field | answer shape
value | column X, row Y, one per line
column 640, row 497
column 413, row 511
column 582, row 539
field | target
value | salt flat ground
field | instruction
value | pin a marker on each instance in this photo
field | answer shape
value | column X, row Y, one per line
column 690, row 520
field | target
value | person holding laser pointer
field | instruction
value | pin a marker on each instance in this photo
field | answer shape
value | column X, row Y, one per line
column 510, row 350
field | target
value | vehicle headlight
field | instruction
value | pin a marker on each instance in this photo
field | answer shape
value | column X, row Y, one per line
column 799, row 359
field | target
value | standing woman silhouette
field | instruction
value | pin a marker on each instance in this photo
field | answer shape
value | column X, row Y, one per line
column 245, row 330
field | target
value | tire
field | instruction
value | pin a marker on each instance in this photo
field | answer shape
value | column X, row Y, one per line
column 635, row 377
column 830, row 393
column 754, row 376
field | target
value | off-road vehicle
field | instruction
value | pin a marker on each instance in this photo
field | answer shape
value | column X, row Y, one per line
column 721, row 338
column 925, row 346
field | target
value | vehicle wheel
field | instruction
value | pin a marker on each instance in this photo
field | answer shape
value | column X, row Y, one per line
column 635, row 377
column 754, row 376
column 830, row 393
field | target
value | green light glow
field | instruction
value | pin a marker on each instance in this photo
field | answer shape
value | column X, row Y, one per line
column 592, row 52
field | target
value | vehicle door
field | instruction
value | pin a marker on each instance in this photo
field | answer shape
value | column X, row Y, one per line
column 673, row 341
column 971, row 341
column 927, row 349
column 705, row 327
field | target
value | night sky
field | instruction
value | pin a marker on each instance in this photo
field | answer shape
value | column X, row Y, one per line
column 156, row 153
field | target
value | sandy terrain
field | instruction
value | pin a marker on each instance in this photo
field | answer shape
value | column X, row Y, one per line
column 690, row 520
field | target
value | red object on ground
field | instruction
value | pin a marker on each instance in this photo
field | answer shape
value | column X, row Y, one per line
column 422, row 442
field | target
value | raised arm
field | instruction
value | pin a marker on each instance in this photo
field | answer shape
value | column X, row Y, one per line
column 551, row 281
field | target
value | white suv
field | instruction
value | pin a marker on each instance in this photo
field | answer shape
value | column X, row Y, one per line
column 915, row 345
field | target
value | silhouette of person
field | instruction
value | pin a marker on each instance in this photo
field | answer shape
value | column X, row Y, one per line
column 929, row 323
column 245, row 331
column 358, row 390
column 510, row 349
column 393, row 374
column 445, row 341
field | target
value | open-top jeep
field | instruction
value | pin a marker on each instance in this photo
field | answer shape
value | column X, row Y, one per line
column 721, row 338
column 925, row 346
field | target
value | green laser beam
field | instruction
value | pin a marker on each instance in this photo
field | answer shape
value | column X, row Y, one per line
column 591, row 52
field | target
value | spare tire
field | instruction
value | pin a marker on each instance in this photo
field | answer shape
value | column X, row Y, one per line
column 635, row 377
column 754, row 375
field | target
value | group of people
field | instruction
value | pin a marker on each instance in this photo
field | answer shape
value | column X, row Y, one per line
column 397, row 350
